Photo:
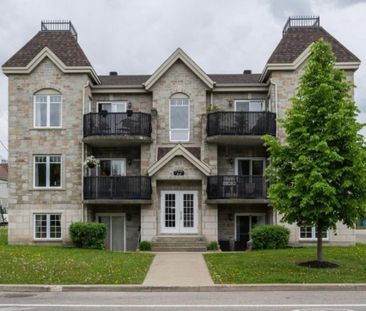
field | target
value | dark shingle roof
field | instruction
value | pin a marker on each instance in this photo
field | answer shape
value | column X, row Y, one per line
column 218, row 78
column 62, row 43
column 297, row 39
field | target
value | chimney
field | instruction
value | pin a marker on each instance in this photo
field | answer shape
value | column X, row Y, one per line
column 247, row 72
column 113, row 73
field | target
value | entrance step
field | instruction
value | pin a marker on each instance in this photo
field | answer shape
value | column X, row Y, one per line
column 177, row 243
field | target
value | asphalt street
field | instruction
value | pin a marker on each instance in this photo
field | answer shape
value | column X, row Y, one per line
column 265, row 300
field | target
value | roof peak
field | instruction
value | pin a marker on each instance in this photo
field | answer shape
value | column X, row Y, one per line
column 301, row 21
column 59, row 25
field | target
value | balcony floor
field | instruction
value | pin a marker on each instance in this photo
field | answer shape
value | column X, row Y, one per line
column 116, row 202
column 237, row 201
column 243, row 140
column 111, row 141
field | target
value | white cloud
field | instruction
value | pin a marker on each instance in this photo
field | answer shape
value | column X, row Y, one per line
column 134, row 37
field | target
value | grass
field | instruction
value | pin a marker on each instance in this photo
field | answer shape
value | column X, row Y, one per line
column 59, row 265
column 280, row 266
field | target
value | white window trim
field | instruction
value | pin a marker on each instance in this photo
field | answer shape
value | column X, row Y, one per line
column 250, row 168
column 47, row 187
column 250, row 222
column 124, row 102
column 48, row 238
column 111, row 159
column 48, row 126
column 185, row 129
column 111, row 232
column 249, row 101
column 313, row 238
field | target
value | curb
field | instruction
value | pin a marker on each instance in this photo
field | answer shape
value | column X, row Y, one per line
column 213, row 288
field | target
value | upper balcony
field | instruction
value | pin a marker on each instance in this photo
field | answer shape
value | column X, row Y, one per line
column 247, row 128
column 117, row 128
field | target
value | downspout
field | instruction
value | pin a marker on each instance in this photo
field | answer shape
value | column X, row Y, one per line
column 276, row 111
column 82, row 152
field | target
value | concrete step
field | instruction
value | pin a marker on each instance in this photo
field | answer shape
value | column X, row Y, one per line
column 179, row 243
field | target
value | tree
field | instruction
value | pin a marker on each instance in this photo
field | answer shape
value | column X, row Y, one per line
column 318, row 176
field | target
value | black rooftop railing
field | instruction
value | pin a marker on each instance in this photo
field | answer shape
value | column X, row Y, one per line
column 59, row 25
column 301, row 21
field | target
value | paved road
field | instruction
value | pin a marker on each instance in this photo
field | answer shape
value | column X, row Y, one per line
column 137, row 301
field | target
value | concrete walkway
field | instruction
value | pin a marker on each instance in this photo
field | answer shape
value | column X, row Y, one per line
column 178, row 269
column 361, row 236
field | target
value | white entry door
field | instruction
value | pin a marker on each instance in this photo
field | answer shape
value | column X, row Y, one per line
column 179, row 212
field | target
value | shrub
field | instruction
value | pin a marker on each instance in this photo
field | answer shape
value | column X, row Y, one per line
column 88, row 234
column 270, row 237
column 213, row 246
column 145, row 246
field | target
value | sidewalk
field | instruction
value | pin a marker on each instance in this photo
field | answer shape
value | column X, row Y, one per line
column 178, row 269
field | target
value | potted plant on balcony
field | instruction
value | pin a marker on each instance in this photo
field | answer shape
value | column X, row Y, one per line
column 91, row 162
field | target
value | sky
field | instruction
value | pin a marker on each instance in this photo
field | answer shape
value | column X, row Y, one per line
column 221, row 36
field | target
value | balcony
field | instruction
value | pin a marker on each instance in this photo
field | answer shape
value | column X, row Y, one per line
column 110, row 129
column 117, row 189
column 231, row 189
column 245, row 128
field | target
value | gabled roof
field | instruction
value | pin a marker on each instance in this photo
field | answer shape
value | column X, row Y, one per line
column 297, row 39
column 179, row 150
column 62, row 43
column 179, row 54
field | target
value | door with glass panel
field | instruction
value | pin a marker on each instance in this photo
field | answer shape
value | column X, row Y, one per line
column 250, row 173
column 244, row 223
column 110, row 182
column 179, row 212
column 116, row 231
column 112, row 119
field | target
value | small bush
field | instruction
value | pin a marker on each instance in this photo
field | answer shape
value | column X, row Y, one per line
column 270, row 237
column 88, row 234
column 213, row 246
column 145, row 246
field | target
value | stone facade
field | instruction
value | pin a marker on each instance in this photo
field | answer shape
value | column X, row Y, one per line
column 215, row 219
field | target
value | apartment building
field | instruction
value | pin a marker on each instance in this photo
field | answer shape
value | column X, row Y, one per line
column 181, row 159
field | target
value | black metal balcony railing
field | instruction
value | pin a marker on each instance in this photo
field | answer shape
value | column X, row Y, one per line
column 117, row 124
column 241, row 123
column 117, row 188
column 236, row 187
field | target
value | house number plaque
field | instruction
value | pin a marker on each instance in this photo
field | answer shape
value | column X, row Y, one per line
column 178, row 173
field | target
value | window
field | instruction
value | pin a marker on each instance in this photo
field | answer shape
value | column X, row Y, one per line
column 47, row 226
column 112, row 167
column 179, row 118
column 250, row 167
column 309, row 233
column 112, row 106
column 249, row 105
column 47, row 171
column 47, row 111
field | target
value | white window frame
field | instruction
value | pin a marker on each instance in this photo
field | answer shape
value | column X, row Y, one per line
column 47, row 126
column 48, row 228
column 249, row 101
column 313, row 234
column 188, row 129
column 124, row 102
column 251, row 167
column 48, row 187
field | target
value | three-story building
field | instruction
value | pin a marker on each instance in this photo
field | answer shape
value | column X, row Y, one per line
column 181, row 159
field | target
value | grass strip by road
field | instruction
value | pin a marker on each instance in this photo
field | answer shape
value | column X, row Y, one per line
column 280, row 266
column 21, row 264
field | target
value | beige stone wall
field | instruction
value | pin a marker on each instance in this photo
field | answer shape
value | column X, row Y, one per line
column 139, row 102
column 25, row 141
column 225, row 101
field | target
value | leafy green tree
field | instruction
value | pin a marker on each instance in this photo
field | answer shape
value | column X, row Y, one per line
column 318, row 176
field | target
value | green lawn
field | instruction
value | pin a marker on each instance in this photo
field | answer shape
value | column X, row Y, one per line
column 58, row 265
column 279, row 266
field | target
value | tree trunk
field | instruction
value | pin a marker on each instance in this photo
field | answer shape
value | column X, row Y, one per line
column 319, row 245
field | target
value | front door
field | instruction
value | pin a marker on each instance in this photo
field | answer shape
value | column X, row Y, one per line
column 115, row 224
column 179, row 212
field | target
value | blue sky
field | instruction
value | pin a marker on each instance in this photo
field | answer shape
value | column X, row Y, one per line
column 135, row 37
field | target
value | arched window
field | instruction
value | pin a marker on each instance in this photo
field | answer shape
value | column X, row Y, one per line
column 47, row 109
column 179, row 117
